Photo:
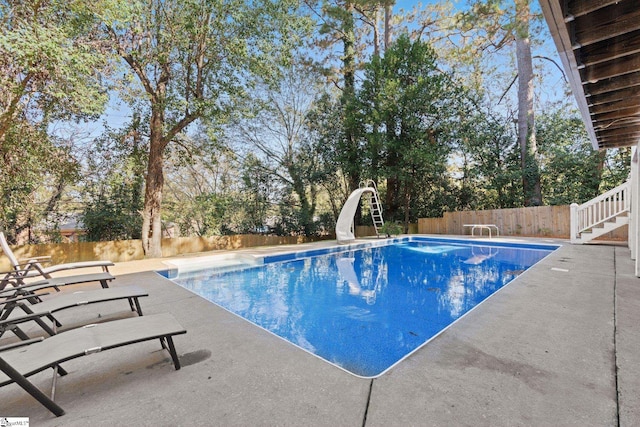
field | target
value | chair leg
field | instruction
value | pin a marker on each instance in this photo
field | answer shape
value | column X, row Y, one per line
column 19, row 333
column 134, row 303
column 30, row 388
column 172, row 352
column 56, row 323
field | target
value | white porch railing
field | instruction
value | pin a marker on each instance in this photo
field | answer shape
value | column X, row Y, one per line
column 599, row 210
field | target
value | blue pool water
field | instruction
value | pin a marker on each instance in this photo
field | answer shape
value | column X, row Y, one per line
column 365, row 309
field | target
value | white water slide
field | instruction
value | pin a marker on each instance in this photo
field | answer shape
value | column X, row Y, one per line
column 344, row 226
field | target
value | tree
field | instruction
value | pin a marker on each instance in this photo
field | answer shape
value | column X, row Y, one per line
column 325, row 126
column 279, row 134
column 569, row 165
column 491, row 175
column 114, row 183
column 497, row 25
column 193, row 60
column 50, row 63
column 36, row 169
column 339, row 21
column 349, row 147
column 205, row 194
column 526, row 118
column 408, row 110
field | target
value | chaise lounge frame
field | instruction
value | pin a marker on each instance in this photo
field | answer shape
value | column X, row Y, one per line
column 18, row 362
column 33, row 266
column 50, row 306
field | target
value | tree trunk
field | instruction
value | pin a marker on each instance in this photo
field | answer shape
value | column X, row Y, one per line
column 151, row 214
column 348, row 98
column 388, row 13
column 376, row 33
column 526, row 124
column 602, row 157
column 407, row 205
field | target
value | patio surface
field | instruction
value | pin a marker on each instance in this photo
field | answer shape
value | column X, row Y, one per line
column 559, row 346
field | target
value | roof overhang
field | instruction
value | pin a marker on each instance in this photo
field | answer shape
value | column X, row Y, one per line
column 599, row 45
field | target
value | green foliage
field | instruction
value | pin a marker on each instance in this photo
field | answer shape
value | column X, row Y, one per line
column 50, row 61
column 490, row 164
column 390, row 229
column 280, row 141
column 115, row 184
column 194, row 61
column 114, row 213
column 280, row 148
column 570, row 167
column 615, row 168
column 257, row 188
column 408, row 112
column 35, row 170
column 50, row 69
column 212, row 193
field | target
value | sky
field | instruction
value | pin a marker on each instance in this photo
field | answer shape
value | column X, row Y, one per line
column 117, row 112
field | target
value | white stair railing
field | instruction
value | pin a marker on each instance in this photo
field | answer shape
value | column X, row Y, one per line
column 599, row 210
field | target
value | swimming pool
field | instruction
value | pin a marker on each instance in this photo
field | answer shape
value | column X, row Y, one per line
column 364, row 308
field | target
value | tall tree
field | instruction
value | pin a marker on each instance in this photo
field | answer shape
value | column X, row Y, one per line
column 193, row 60
column 340, row 21
column 408, row 109
column 51, row 67
column 114, row 183
column 526, row 116
column 491, row 172
column 279, row 133
column 497, row 24
column 569, row 165
column 350, row 145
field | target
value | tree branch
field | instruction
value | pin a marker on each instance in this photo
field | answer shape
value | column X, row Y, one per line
column 508, row 87
column 564, row 77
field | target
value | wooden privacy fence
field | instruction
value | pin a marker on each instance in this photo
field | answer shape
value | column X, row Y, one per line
column 551, row 221
column 130, row 250
column 536, row 221
column 540, row 221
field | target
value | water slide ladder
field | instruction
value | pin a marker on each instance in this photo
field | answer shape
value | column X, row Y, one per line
column 375, row 207
column 344, row 225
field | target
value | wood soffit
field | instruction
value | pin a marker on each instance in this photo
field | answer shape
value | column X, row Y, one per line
column 599, row 45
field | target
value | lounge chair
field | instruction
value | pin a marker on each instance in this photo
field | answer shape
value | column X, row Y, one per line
column 16, row 279
column 11, row 321
column 18, row 363
column 33, row 266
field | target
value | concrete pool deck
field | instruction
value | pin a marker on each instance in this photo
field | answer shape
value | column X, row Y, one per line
column 558, row 346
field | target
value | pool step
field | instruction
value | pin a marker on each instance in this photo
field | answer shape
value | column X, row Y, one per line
column 217, row 263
